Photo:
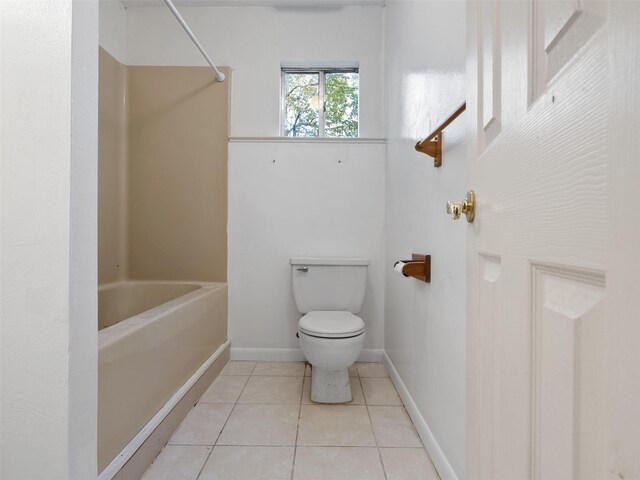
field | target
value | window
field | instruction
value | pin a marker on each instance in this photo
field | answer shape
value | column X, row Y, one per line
column 320, row 102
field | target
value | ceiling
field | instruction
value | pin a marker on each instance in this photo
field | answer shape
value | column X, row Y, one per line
column 254, row 3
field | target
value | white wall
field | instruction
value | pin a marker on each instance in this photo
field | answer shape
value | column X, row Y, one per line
column 306, row 203
column 48, row 251
column 254, row 42
column 304, row 199
column 425, row 323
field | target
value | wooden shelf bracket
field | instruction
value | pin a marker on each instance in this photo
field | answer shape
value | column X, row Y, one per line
column 432, row 144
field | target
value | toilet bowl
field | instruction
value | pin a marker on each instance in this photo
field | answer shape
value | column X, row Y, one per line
column 331, row 342
column 329, row 292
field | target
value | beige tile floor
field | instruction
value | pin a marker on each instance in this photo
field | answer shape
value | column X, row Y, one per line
column 257, row 422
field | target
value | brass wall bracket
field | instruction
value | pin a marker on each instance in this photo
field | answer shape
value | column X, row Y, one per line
column 418, row 267
column 432, row 144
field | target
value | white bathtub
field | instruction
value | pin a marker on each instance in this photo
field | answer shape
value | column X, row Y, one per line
column 153, row 337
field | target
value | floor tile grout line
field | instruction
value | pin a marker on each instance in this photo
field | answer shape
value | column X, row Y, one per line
column 214, row 443
column 288, row 446
column 283, row 361
column 404, row 408
column 415, row 430
column 259, row 445
column 373, row 431
column 367, row 405
column 295, row 445
column 222, row 374
column 225, row 422
column 315, row 404
column 224, row 403
column 239, row 401
column 185, row 419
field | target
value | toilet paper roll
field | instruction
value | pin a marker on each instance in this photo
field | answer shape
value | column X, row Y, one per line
column 398, row 267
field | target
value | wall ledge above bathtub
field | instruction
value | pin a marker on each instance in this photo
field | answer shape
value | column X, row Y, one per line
column 359, row 140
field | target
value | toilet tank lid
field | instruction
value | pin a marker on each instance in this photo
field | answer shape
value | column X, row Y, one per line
column 328, row 261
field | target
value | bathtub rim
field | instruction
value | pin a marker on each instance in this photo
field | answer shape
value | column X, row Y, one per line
column 124, row 328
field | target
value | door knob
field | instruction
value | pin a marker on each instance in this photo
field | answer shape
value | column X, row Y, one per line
column 466, row 206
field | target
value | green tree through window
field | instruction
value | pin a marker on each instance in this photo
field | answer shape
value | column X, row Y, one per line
column 320, row 103
column 341, row 104
column 301, row 105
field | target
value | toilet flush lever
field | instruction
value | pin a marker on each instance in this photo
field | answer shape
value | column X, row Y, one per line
column 303, row 269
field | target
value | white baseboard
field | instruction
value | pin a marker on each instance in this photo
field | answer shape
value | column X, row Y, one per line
column 371, row 355
column 293, row 354
column 267, row 354
column 435, row 452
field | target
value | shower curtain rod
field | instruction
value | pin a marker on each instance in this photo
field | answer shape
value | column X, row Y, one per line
column 174, row 10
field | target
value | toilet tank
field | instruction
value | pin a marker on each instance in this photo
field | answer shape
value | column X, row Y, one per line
column 328, row 284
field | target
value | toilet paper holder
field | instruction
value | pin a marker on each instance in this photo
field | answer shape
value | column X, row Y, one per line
column 418, row 267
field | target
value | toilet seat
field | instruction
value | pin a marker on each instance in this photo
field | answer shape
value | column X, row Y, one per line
column 331, row 324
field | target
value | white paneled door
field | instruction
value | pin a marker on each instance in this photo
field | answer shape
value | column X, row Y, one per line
column 553, row 310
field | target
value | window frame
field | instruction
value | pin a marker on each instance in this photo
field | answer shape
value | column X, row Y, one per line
column 322, row 72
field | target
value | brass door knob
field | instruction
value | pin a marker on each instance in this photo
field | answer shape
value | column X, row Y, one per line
column 466, row 206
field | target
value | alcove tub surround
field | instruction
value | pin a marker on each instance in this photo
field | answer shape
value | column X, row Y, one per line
column 162, row 173
column 162, row 250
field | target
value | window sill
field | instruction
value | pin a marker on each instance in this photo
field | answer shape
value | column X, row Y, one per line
column 358, row 140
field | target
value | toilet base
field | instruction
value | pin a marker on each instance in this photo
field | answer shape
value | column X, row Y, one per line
column 330, row 386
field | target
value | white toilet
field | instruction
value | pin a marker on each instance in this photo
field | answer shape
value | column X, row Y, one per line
column 329, row 292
